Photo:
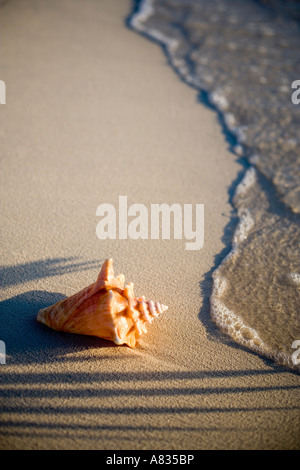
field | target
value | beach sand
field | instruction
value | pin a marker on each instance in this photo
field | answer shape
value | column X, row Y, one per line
column 93, row 111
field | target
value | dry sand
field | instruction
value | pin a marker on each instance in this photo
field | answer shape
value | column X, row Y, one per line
column 93, row 112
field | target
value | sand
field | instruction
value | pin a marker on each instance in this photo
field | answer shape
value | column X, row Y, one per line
column 93, row 111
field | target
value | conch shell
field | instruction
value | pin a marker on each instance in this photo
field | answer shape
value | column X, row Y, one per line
column 107, row 309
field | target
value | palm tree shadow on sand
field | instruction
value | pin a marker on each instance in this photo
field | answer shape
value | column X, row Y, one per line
column 26, row 272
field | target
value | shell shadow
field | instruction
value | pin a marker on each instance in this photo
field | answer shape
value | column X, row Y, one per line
column 28, row 341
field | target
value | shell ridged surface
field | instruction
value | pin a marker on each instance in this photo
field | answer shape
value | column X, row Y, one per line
column 107, row 309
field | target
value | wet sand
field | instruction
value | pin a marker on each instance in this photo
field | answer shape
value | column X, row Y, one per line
column 94, row 112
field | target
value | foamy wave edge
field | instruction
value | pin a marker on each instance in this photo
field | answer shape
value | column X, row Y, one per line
column 229, row 322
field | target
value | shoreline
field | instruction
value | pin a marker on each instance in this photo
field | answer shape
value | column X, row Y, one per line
column 184, row 66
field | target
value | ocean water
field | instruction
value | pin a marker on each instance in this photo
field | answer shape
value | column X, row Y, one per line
column 244, row 55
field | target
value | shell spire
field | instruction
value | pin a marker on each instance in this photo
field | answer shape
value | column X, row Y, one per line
column 107, row 309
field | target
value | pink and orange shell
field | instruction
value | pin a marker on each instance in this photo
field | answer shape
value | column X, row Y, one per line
column 107, row 309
